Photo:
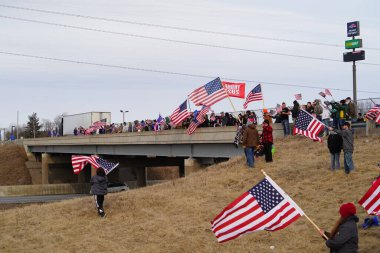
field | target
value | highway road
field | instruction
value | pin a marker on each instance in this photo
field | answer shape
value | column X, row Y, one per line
column 38, row 199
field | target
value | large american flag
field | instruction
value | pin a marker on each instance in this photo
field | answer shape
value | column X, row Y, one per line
column 264, row 207
column 199, row 118
column 254, row 95
column 209, row 93
column 371, row 199
column 80, row 161
column 308, row 126
column 180, row 114
column 373, row 112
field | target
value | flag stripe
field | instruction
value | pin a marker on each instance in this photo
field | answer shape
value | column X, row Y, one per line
column 253, row 224
column 237, row 203
column 371, row 199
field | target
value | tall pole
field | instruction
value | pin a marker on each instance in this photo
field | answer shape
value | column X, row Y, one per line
column 354, row 82
column 123, row 117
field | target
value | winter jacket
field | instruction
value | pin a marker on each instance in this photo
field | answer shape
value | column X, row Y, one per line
column 251, row 137
column 318, row 110
column 99, row 185
column 351, row 110
column 347, row 239
column 348, row 139
column 267, row 135
column 295, row 111
column 334, row 143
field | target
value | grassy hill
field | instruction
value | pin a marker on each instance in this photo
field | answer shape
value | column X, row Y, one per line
column 12, row 166
column 175, row 216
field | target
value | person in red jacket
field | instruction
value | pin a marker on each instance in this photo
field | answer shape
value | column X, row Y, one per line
column 267, row 140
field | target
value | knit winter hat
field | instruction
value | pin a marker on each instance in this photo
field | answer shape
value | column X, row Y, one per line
column 347, row 210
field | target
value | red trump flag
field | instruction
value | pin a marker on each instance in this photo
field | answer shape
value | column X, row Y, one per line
column 234, row 89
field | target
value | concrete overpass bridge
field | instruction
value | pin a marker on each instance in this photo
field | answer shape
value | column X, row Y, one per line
column 136, row 152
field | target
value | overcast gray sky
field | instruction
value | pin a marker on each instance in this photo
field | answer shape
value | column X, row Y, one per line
column 51, row 87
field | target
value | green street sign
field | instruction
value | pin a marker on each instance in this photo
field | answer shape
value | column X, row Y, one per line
column 351, row 44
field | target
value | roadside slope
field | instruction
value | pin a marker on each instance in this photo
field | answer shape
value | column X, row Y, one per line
column 12, row 166
column 175, row 216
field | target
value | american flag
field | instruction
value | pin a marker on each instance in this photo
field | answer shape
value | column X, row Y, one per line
column 180, row 114
column 373, row 112
column 199, row 118
column 322, row 94
column 100, row 123
column 106, row 165
column 298, row 96
column 371, row 199
column 264, row 207
column 254, row 95
column 209, row 93
column 308, row 126
column 328, row 92
column 79, row 161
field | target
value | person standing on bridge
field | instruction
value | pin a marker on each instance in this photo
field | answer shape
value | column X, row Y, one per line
column 99, row 184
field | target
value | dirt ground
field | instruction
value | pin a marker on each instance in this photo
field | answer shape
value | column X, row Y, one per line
column 12, row 166
column 175, row 216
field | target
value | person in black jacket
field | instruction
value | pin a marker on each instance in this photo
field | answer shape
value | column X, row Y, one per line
column 344, row 236
column 335, row 144
column 99, row 184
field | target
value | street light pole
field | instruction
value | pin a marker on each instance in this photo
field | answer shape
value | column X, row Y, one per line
column 123, row 112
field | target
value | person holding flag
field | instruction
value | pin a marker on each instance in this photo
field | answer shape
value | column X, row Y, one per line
column 344, row 236
column 99, row 184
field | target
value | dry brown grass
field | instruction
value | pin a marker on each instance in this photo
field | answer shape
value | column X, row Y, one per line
column 12, row 166
column 175, row 216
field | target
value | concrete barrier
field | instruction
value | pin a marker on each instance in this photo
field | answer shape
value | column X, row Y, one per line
column 49, row 189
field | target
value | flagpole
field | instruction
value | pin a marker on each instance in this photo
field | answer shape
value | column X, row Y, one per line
column 233, row 107
column 188, row 102
column 307, row 217
column 262, row 94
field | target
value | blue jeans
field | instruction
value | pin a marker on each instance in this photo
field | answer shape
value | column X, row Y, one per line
column 335, row 164
column 250, row 155
column 348, row 163
column 327, row 123
column 285, row 126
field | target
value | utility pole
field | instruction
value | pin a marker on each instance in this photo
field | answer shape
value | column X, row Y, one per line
column 17, row 127
column 353, row 29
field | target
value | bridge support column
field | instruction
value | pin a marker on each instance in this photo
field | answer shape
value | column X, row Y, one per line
column 141, row 176
column 82, row 177
column 46, row 159
column 191, row 165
